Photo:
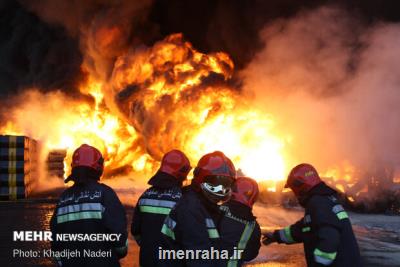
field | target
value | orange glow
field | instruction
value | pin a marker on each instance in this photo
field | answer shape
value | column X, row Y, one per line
column 216, row 117
column 345, row 170
column 203, row 113
column 246, row 136
column 59, row 122
column 107, row 36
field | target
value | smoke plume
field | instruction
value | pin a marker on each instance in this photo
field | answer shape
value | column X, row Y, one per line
column 332, row 83
column 34, row 53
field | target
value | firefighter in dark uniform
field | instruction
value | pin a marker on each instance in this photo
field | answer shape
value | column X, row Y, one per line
column 192, row 224
column 325, row 230
column 239, row 230
column 89, row 207
column 156, row 203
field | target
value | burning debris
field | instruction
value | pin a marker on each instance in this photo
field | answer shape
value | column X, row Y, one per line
column 374, row 191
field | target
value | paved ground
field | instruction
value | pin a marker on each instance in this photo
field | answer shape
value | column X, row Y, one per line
column 18, row 216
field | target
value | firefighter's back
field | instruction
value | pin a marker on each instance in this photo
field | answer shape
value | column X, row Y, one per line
column 328, row 213
column 240, row 232
column 156, row 203
column 150, row 212
column 90, row 215
column 81, row 212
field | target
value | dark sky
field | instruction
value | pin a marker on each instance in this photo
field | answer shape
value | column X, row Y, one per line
column 233, row 25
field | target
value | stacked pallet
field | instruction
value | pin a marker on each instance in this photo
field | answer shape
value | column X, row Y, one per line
column 18, row 166
column 55, row 162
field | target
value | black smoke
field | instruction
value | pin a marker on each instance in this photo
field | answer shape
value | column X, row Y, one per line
column 35, row 54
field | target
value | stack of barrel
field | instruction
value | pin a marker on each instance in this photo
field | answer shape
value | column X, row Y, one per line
column 55, row 162
column 18, row 166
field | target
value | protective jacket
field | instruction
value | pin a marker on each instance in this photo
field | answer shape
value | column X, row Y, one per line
column 190, row 227
column 240, row 233
column 325, row 231
column 90, row 210
column 150, row 212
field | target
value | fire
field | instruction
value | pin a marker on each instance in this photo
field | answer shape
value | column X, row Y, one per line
column 67, row 125
column 168, row 96
column 245, row 135
column 350, row 199
column 183, row 96
column 344, row 170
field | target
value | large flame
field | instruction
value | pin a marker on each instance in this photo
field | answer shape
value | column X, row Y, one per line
column 168, row 96
column 178, row 97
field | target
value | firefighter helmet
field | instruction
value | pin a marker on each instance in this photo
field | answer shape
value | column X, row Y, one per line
column 86, row 161
column 88, row 156
column 245, row 190
column 302, row 179
column 214, row 175
column 176, row 164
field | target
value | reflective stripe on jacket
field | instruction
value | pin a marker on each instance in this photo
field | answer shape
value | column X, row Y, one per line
column 90, row 208
column 240, row 233
column 325, row 230
column 150, row 212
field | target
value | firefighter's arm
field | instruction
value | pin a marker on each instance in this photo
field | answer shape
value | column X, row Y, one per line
column 288, row 235
column 254, row 244
column 114, row 219
column 327, row 225
column 136, row 224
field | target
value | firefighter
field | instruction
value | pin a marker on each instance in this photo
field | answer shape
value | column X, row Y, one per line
column 192, row 224
column 325, row 230
column 239, row 230
column 86, row 208
column 156, row 203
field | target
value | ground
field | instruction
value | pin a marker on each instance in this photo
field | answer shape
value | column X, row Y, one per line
column 378, row 235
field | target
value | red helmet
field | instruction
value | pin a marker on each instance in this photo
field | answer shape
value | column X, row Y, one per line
column 214, row 175
column 245, row 190
column 176, row 164
column 302, row 179
column 88, row 156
